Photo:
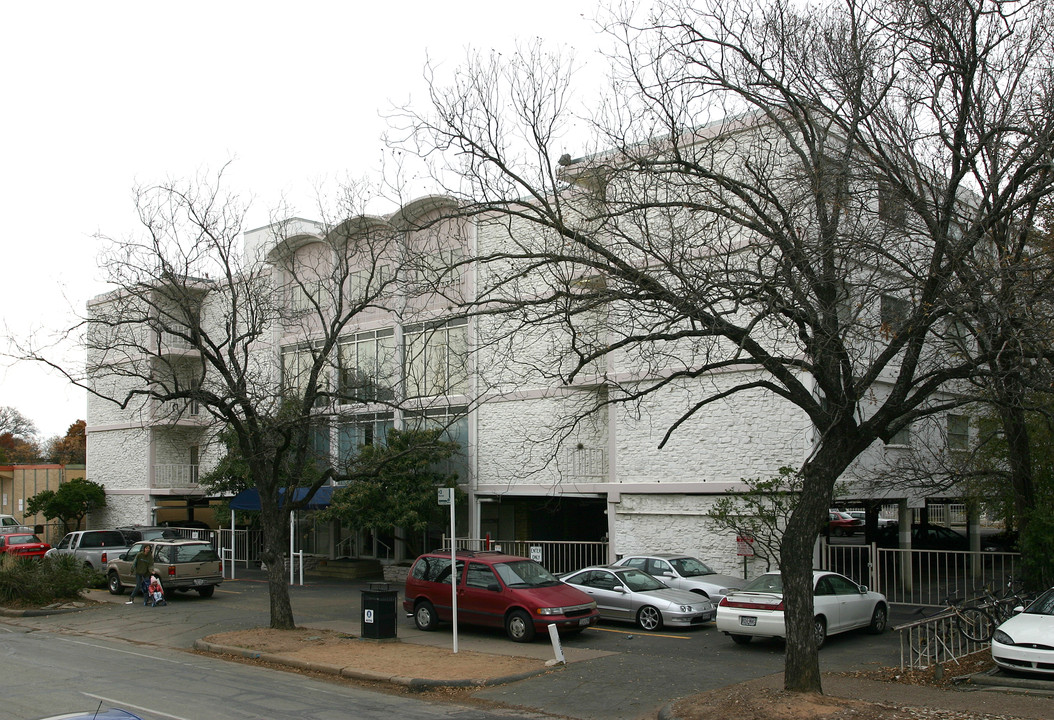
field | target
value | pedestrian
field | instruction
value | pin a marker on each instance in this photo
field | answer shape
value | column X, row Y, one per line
column 142, row 566
column 157, row 593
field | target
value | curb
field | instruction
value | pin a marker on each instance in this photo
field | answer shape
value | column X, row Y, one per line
column 1002, row 681
column 353, row 674
column 39, row 612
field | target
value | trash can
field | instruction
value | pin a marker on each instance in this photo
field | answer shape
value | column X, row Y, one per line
column 378, row 611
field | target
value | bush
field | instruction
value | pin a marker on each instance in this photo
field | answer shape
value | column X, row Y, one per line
column 40, row 582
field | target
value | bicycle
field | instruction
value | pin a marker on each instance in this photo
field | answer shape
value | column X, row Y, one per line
column 1001, row 606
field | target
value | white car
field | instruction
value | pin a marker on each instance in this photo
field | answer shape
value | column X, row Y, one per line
column 862, row 517
column 684, row 572
column 1025, row 642
column 839, row 604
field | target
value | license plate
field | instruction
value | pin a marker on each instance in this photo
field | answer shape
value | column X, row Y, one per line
column 583, row 621
column 748, row 621
column 199, row 581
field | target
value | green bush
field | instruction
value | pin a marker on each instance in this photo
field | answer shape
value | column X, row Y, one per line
column 40, row 582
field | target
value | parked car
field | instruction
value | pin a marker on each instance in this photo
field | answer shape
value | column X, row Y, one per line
column 940, row 537
column 839, row 605
column 181, row 565
column 496, row 590
column 632, row 595
column 1025, row 642
column 94, row 548
column 22, row 545
column 684, row 572
column 9, row 524
column 96, row 714
column 862, row 517
column 842, row 524
column 135, row 533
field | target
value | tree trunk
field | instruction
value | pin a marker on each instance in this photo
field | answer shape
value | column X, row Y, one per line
column 272, row 525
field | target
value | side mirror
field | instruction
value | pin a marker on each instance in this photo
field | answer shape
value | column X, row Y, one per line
column 619, row 589
column 494, row 587
column 1019, row 609
column 863, row 589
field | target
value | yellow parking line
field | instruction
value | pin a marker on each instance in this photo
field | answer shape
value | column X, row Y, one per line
column 642, row 633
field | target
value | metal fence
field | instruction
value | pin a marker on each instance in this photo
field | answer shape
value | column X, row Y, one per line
column 935, row 640
column 921, row 578
column 558, row 556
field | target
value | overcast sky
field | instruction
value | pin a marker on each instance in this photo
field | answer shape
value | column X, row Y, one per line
column 99, row 96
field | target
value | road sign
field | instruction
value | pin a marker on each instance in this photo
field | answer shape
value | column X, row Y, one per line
column 446, row 496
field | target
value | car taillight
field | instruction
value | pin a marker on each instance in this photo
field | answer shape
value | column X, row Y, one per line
column 171, row 570
column 104, row 558
column 746, row 605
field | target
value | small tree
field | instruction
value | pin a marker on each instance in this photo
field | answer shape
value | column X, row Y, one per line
column 69, row 504
column 71, row 449
column 394, row 484
column 761, row 512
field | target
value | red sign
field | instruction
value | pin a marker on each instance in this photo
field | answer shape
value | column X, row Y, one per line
column 744, row 546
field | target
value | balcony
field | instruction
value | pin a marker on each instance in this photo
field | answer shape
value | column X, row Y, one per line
column 173, row 411
column 173, row 344
column 181, row 475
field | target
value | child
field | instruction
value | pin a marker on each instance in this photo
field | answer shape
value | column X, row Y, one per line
column 157, row 593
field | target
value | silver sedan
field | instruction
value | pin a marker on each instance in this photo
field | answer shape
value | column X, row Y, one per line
column 625, row 593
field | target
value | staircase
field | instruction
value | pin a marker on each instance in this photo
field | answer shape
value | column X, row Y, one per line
column 347, row 569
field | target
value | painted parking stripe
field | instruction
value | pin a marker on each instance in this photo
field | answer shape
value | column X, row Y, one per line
column 642, row 633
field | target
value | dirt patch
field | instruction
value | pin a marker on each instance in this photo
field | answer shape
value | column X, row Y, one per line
column 394, row 657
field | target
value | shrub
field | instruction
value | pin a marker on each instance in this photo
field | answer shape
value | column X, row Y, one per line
column 40, row 582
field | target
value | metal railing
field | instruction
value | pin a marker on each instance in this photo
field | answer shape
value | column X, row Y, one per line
column 934, row 640
column 247, row 544
column 558, row 556
column 174, row 475
column 920, row 578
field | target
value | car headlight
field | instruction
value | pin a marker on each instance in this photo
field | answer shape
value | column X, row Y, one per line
column 686, row 608
column 551, row 611
column 1002, row 637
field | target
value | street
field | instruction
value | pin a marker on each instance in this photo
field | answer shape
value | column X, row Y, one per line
column 127, row 652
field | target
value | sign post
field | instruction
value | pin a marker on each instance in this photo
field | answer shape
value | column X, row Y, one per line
column 446, row 497
column 745, row 549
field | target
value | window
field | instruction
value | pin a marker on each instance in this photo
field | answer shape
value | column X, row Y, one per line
column 297, row 363
column 480, row 576
column 364, row 429
column 306, row 295
column 891, row 205
column 320, row 443
column 367, row 366
column 436, row 359
column 958, row 432
column 368, row 282
column 893, row 314
column 902, row 437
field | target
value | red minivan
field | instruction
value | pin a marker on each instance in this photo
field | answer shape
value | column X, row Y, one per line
column 495, row 590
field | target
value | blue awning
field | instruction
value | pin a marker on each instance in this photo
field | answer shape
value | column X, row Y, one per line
column 250, row 499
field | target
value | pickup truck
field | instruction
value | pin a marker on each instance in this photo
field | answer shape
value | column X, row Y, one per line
column 8, row 524
column 95, row 548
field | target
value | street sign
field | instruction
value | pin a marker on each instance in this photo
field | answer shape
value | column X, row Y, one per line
column 536, row 553
column 744, row 546
column 446, row 496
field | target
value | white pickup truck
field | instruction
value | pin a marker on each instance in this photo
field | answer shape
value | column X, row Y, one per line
column 94, row 548
column 8, row 524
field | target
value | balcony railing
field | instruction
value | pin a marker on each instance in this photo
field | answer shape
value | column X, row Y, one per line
column 587, row 463
column 178, row 409
column 176, row 475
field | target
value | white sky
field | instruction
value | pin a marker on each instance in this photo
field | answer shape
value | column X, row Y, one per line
column 101, row 96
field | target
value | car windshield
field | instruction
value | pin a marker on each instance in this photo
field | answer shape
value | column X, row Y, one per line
column 638, row 581
column 690, row 567
column 1043, row 605
column 765, row 583
column 525, row 573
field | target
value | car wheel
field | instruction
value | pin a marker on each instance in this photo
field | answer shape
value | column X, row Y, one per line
column 819, row 629
column 425, row 616
column 878, row 620
column 837, row 532
column 207, row 591
column 114, row 583
column 649, row 618
column 741, row 639
column 518, row 626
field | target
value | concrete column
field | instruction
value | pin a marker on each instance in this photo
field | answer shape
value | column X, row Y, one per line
column 904, row 517
column 973, row 532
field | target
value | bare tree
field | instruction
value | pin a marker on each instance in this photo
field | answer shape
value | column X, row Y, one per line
column 249, row 340
column 789, row 200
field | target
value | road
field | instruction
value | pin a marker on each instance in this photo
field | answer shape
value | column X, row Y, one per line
column 614, row 671
column 47, row 673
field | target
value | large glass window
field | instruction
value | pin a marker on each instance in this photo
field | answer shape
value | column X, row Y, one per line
column 958, row 432
column 436, row 359
column 367, row 365
column 362, row 430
